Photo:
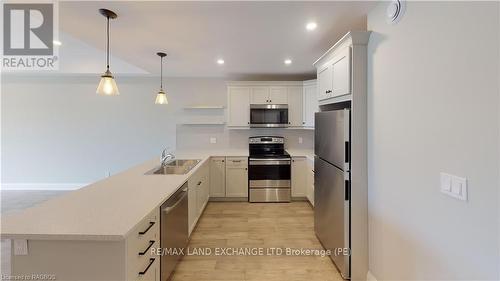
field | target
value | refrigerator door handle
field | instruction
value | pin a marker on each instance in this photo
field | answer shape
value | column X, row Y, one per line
column 347, row 191
column 346, row 152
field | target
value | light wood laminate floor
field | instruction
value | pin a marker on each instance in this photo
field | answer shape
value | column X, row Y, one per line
column 261, row 225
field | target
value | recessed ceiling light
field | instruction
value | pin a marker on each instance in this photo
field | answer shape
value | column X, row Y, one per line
column 288, row 61
column 57, row 43
column 311, row 26
column 220, row 61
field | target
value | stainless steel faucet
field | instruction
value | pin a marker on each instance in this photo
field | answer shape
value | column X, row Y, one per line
column 166, row 157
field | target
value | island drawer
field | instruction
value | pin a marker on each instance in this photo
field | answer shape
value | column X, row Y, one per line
column 143, row 238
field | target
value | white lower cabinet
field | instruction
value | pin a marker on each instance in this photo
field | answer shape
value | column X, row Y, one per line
column 198, row 193
column 218, row 177
column 202, row 192
column 192, row 207
column 236, row 177
column 299, row 177
column 310, row 183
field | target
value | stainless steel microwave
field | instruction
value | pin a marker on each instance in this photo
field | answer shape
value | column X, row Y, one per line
column 269, row 115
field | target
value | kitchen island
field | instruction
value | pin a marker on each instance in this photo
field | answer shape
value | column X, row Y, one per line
column 94, row 233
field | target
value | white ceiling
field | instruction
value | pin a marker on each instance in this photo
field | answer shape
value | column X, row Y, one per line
column 254, row 38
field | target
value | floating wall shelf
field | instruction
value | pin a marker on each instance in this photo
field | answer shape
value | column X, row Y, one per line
column 205, row 107
column 203, row 123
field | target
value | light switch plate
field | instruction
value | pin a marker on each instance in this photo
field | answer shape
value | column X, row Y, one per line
column 213, row 140
column 446, row 182
column 459, row 187
column 454, row 186
column 20, row 247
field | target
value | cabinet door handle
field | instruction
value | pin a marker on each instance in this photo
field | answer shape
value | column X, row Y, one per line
column 151, row 223
column 151, row 242
column 222, row 161
column 199, row 183
column 151, row 261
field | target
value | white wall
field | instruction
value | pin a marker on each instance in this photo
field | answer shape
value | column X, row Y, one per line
column 57, row 130
column 57, row 133
column 434, row 106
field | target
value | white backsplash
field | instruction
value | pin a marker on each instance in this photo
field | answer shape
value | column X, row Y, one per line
column 199, row 137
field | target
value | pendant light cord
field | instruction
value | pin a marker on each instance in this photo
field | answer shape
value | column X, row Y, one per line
column 161, row 73
column 107, row 45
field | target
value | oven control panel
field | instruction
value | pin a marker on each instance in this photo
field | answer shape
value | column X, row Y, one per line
column 254, row 140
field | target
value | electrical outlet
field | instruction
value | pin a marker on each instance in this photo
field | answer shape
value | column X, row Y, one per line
column 20, row 247
column 301, row 140
column 213, row 140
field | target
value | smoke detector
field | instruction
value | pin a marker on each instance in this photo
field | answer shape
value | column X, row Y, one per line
column 395, row 11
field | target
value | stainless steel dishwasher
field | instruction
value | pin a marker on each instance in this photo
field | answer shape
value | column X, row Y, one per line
column 174, row 230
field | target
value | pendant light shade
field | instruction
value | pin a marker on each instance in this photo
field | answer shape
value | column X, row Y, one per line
column 107, row 85
column 161, row 96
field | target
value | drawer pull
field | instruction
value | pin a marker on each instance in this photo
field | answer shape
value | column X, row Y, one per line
column 236, row 161
column 151, row 223
column 151, row 242
column 151, row 261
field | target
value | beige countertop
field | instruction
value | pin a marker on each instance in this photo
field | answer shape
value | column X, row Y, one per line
column 309, row 153
column 110, row 208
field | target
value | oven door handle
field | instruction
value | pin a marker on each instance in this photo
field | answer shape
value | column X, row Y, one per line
column 269, row 162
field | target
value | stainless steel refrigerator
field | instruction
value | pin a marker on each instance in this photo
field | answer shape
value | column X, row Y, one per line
column 332, row 185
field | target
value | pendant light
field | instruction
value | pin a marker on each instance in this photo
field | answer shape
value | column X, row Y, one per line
column 161, row 97
column 107, row 85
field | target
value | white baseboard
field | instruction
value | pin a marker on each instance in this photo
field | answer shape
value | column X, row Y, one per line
column 42, row 186
column 370, row 277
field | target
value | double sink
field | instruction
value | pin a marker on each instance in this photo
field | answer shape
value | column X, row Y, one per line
column 175, row 167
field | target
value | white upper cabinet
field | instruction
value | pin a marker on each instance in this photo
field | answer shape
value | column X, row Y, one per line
column 341, row 73
column 300, row 96
column 339, row 70
column 324, row 82
column 334, row 78
column 268, row 95
column 295, row 106
column 278, row 95
column 259, row 95
column 238, row 106
column 310, row 101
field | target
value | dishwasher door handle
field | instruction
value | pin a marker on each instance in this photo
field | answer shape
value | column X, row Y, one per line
column 170, row 208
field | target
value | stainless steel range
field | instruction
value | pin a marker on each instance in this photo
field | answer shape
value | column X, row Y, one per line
column 269, row 168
